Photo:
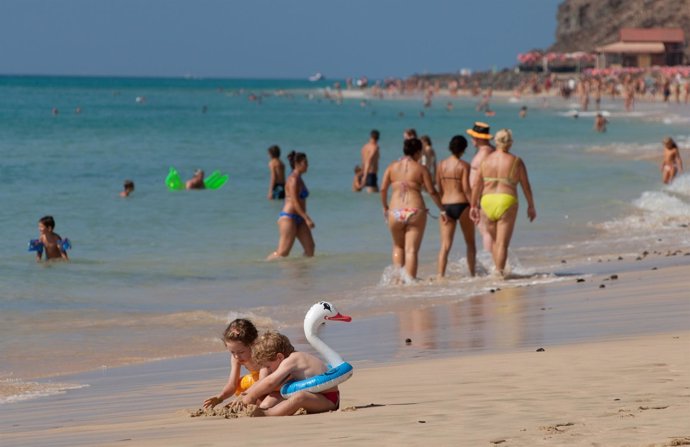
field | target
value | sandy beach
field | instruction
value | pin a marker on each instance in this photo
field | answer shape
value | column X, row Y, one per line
column 626, row 385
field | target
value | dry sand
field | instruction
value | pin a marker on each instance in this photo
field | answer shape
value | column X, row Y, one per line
column 629, row 391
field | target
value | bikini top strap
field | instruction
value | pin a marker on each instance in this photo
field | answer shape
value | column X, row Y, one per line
column 511, row 175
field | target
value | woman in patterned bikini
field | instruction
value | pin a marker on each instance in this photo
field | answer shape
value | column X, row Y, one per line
column 406, row 216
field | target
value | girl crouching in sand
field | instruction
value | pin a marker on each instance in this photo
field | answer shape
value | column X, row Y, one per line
column 238, row 337
column 275, row 352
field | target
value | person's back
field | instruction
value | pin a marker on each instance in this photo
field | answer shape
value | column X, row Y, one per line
column 370, row 162
column 451, row 172
column 480, row 139
column 407, row 178
column 500, row 173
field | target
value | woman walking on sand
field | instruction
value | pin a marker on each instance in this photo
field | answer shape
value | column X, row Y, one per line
column 496, row 186
column 406, row 216
column 453, row 180
column 293, row 221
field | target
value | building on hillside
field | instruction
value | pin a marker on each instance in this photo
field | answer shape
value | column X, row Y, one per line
column 643, row 47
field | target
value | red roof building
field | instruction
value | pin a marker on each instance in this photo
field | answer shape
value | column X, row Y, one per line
column 643, row 47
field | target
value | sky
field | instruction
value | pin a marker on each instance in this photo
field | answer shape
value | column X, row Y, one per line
column 268, row 39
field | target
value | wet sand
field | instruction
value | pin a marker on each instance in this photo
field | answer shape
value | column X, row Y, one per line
column 614, row 370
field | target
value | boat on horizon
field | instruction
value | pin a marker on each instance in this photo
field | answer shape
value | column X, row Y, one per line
column 316, row 77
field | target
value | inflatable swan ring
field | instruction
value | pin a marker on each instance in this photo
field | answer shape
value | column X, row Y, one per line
column 339, row 371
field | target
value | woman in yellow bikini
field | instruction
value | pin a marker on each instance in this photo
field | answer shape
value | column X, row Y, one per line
column 496, row 185
column 406, row 216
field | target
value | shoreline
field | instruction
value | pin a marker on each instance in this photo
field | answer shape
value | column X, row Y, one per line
column 638, row 316
column 409, row 319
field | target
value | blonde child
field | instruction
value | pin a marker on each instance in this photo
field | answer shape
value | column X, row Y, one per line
column 275, row 352
column 238, row 338
column 54, row 246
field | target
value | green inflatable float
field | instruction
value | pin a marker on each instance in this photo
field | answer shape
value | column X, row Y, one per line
column 213, row 181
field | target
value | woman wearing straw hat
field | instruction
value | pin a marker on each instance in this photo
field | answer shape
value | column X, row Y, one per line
column 496, row 186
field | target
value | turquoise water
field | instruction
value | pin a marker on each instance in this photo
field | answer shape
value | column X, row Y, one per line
column 166, row 265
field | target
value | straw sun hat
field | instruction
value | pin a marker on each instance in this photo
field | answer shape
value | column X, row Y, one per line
column 480, row 130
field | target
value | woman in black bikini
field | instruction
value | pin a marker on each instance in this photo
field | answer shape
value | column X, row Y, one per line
column 293, row 221
column 453, row 180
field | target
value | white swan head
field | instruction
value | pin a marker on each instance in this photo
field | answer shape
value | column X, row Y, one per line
column 319, row 314
column 316, row 317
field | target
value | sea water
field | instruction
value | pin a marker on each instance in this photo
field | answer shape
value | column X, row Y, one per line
column 159, row 274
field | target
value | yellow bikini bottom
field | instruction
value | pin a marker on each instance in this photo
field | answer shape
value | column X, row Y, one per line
column 495, row 205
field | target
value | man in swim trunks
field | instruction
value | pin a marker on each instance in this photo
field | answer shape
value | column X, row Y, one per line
column 370, row 162
column 275, row 352
column 481, row 138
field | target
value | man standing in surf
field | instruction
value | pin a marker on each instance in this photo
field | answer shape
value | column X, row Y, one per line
column 480, row 139
column 370, row 162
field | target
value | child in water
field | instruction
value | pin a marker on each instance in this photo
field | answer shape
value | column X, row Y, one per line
column 357, row 184
column 238, row 337
column 275, row 352
column 49, row 242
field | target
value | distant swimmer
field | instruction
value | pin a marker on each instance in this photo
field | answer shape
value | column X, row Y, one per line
column 600, row 123
column 55, row 111
column 523, row 112
column 409, row 134
column 276, row 187
column 672, row 162
column 196, row 182
column 128, row 188
column 370, row 161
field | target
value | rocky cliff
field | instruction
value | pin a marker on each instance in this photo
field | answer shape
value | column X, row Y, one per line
column 586, row 24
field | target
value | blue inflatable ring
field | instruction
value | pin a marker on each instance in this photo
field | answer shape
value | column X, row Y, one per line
column 322, row 382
